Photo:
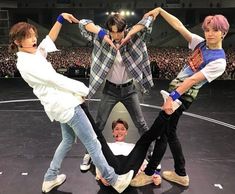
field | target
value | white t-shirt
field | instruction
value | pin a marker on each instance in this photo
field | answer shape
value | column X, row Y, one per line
column 121, row 148
column 215, row 68
column 58, row 94
column 118, row 73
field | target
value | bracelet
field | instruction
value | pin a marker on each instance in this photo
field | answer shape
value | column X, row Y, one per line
column 60, row 19
column 174, row 95
column 101, row 33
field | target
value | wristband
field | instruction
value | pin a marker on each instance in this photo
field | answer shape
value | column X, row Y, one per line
column 60, row 19
column 156, row 172
column 174, row 95
column 101, row 33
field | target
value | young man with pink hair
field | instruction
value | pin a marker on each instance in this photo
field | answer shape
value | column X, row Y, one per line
column 206, row 63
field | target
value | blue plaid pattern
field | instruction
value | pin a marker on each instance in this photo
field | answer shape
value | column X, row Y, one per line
column 134, row 55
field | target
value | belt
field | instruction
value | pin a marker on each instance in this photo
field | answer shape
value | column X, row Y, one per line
column 120, row 85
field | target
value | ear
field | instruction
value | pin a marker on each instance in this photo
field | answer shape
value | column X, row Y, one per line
column 17, row 42
column 223, row 35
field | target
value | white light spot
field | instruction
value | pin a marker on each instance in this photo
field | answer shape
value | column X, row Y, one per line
column 218, row 185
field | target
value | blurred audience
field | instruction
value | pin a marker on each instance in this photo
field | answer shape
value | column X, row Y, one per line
column 168, row 60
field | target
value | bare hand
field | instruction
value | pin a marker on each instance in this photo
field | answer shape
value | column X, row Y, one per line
column 109, row 41
column 154, row 13
column 104, row 181
column 124, row 41
column 70, row 18
column 168, row 106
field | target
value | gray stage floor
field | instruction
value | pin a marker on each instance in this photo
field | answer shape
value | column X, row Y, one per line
column 28, row 140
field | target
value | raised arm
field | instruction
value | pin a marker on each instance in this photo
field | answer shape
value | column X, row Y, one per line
column 53, row 34
column 146, row 22
column 91, row 27
column 173, row 21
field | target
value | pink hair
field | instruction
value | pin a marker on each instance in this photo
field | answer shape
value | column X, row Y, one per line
column 218, row 22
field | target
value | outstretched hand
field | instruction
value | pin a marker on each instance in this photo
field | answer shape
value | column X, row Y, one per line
column 154, row 13
column 70, row 18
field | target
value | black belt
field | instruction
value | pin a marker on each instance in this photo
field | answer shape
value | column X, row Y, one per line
column 120, row 85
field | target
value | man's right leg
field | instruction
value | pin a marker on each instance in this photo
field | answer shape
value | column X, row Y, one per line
column 154, row 133
column 179, row 175
column 105, row 107
column 52, row 178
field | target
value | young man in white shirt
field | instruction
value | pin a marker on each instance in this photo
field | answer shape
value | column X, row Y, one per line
column 61, row 98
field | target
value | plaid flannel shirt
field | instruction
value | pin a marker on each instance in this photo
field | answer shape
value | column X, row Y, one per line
column 134, row 55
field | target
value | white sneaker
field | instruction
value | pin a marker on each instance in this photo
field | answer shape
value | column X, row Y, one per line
column 123, row 181
column 86, row 163
column 176, row 104
column 47, row 186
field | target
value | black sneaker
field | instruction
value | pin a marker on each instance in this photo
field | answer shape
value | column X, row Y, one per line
column 86, row 163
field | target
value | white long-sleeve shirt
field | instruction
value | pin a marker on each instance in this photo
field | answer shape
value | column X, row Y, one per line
column 58, row 94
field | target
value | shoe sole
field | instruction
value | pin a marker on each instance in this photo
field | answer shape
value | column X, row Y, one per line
column 86, row 169
column 55, row 187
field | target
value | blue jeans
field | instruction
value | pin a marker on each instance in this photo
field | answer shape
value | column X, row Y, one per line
column 80, row 126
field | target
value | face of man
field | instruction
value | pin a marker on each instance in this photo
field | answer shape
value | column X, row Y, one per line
column 115, row 35
column 213, row 37
column 29, row 44
column 119, row 132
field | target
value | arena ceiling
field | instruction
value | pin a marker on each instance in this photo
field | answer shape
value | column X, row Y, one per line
column 131, row 4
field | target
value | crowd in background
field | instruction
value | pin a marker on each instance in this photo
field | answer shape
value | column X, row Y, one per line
column 165, row 62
